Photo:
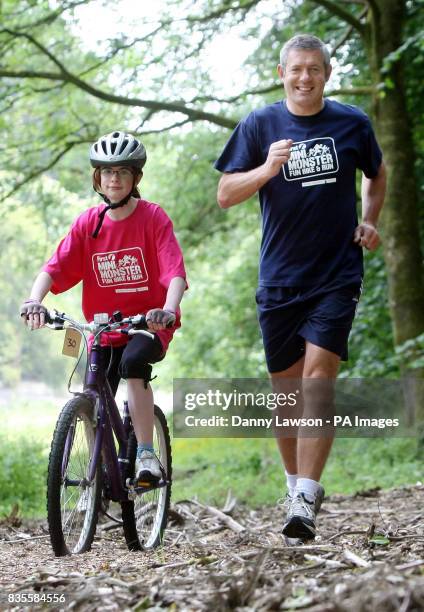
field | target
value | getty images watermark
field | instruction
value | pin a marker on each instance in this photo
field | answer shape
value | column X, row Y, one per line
column 291, row 408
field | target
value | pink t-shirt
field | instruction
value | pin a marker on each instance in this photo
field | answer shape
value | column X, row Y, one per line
column 128, row 267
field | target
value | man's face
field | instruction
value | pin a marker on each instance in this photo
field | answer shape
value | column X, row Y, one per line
column 304, row 78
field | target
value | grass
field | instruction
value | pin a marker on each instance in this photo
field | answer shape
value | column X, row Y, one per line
column 24, row 450
column 205, row 467
column 252, row 468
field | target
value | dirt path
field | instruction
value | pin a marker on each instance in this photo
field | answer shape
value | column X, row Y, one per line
column 368, row 557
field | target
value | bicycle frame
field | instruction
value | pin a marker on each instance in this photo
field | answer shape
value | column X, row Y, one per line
column 108, row 422
column 108, row 419
column 93, row 452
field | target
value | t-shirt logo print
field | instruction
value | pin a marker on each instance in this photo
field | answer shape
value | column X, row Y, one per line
column 123, row 267
column 312, row 158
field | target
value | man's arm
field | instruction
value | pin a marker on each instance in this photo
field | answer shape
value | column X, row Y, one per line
column 373, row 192
column 237, row 187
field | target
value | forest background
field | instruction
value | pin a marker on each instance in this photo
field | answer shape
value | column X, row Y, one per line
column 180, row 76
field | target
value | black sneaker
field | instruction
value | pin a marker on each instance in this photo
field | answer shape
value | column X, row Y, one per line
column 301, row 516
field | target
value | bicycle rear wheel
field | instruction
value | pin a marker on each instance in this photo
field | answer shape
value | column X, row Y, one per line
column 73, row 501
column 144, row 519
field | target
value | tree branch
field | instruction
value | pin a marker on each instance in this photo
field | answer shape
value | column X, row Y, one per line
column 251, row 92
column 51, row 17
column 365, row 90
column 356, row 91
column 65, row 75
column 374, row 7
column 118, row 49
column 341, row 12
column 344, row 37
column 160, row 131
column 38, row 171
column 173, row 107
column 222, row 10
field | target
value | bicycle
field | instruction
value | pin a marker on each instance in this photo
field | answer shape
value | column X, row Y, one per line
column 93, row 455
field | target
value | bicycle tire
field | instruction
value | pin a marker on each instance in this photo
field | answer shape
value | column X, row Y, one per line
column 144, row 519
column 72, row 506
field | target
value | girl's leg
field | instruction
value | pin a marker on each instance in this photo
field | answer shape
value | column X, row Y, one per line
column 140, row 404
column 135, row 367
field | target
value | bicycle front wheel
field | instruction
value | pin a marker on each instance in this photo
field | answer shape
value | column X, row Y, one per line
column 144, row 519
column 72, row 499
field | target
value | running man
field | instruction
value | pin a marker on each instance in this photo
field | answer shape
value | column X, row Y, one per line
column 301, row 154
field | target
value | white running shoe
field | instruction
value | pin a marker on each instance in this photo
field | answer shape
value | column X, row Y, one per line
column 285, row 503
column 82, row 504
column 147, row 467
column 301, row 517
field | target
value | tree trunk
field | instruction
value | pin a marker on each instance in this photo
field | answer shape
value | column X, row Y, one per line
column 400, row 224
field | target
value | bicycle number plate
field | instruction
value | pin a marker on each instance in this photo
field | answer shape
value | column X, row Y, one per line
column 71, row 344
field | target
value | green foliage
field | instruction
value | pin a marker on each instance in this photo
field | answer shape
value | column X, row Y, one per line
column 23, row 469
column 412, row 352
column 371, row 341
column 28, row 235
column 208, row 469
column 251, row 469
column 45, row 121
column 203, row 467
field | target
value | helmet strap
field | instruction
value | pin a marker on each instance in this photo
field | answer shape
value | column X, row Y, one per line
column 111, row 206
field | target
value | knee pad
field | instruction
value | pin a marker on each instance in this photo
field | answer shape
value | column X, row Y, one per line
column 136, row 369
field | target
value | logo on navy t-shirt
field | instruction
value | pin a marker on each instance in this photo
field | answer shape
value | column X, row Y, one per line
column 312, row 158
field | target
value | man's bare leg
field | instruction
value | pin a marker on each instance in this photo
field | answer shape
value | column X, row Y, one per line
column 312, row 453
column 288, row 446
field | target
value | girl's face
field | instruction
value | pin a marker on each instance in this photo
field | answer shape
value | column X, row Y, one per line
column 116, row 182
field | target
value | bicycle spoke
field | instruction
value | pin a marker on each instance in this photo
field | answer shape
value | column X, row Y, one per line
column 73, row 502
column 144, row 521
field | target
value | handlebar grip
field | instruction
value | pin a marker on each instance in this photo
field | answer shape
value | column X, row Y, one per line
column 52, row 317
column 49, row 316
column 139, row 322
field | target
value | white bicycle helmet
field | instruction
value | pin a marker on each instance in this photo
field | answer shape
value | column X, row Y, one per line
column 118, row 149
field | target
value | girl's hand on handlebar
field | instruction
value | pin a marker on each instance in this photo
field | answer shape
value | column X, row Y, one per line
column 33, row 314
column 160, row 319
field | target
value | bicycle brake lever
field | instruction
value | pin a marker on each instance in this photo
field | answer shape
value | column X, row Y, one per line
column 133, row 332
column 54, row 320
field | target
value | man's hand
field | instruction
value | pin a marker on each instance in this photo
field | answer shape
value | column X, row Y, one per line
column 278, row 154
column 366, row 235
column 160, row 319
column 33, row 314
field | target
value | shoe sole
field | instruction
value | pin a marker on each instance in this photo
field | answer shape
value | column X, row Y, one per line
column 293, row 541
column 299, row 529
column 148, row 477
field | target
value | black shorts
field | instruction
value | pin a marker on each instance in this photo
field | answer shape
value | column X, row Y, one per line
column 288, row 317
column 132, row 360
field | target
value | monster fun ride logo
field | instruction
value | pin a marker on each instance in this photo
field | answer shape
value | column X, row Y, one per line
column 123, row 267
column 311, row 158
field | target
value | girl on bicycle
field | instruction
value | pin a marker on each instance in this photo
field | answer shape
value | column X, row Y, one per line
column 128, row 259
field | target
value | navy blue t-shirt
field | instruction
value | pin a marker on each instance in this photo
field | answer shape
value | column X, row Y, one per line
column 309, row 208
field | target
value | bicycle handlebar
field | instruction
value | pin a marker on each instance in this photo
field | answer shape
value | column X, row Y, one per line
column 133, row 325
column 58, row 320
